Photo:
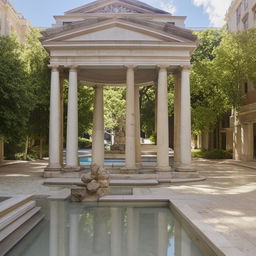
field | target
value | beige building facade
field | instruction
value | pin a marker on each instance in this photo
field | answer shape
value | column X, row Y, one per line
column 242, row 15
column 119, row 43
column 11, row 22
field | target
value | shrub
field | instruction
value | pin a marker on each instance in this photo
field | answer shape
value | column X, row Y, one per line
column 84, row 143
column 153, row 138
column 212, row 154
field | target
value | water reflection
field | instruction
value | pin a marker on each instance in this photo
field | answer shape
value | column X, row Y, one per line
column 79, row 229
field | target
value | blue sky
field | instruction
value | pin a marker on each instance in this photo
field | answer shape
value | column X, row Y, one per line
column 200, row 13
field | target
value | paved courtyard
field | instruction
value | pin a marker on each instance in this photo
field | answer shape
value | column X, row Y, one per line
column 226, row 200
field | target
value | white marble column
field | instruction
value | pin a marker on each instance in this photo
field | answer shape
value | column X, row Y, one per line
column 72, row 122
column 162, row 122
column 54, row 126
column 137, row 126
column 236, row 136
column 177, row 107
column 98, row 128
column 130, row 164
column 247, row 141
column 61, row 117
column 185, row 122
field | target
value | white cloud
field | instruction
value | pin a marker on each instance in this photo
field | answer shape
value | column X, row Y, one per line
column 168, row 6
column 216, row 10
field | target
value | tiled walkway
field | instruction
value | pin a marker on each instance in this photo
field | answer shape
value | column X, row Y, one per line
column 226, row 200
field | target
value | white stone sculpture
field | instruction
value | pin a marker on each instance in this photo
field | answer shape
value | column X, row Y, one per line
column 96, row 185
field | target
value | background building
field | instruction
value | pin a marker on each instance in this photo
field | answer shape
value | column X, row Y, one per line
column 242, row 15
column 12, row 22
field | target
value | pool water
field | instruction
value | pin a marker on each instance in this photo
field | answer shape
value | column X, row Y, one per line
column 88, row 160
column 74, row 229
column 106, row 161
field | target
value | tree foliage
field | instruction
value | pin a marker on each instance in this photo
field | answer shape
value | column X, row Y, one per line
column 15, row 93
column 36, row 59
column 222, row 64
column 114, row 108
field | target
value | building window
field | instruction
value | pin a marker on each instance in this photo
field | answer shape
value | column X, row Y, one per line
column 238, row 14
column 245, row 23
column 254, row 12
column 66, row 23
column 245, row 4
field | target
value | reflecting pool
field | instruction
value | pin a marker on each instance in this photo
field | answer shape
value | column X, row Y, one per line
column 74, row 229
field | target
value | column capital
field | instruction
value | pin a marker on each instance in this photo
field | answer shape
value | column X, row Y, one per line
column 97, row 86
column 186, row 68
column 163, row 67
column 130, row 67
column 54, row 68
column 73, row 68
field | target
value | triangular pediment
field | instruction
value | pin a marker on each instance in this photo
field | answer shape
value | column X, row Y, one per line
column 115, row 33
column 115, row 6
column 114, row 30
column 119, row 29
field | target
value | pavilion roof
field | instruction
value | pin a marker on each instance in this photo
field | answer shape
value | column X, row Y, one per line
column 163, row 27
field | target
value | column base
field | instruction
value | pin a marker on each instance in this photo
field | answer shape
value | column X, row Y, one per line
column 138, row 165
column 50, row 172
column 53, row 168
column 163, row 169
column 72, row 169
column 129, row 170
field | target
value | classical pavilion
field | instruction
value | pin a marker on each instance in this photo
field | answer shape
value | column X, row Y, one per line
column 120, row 43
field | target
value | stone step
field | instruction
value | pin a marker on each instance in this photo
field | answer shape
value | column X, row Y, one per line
column 8, row 243
column 64, row 181
column 133, row 183
column 13, row 203
column 119, row 182
column 133, row 176
column 17, row 223
column 15, row 214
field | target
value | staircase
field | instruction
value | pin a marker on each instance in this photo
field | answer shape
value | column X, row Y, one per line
column 18, row 216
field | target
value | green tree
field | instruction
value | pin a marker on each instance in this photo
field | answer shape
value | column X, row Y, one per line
column 206, row 87
column 114, row 108
column 36, row 60
column 85, row 109
column 15, row 93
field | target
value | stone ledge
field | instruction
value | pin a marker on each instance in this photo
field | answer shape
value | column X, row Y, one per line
column 125, row 170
